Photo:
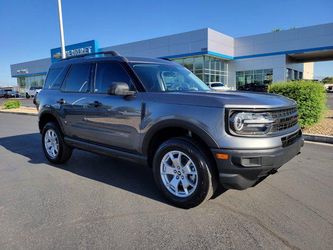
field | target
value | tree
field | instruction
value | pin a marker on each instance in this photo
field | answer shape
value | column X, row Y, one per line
column 328, row 79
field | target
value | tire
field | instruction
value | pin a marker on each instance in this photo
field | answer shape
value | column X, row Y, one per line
column 52, row 138
column 27, row 95
column 193, row 189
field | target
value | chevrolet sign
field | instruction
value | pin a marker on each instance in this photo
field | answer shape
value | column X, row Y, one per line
column 75, row 50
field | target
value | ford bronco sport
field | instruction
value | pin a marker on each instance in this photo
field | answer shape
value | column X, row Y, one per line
column 157, row 112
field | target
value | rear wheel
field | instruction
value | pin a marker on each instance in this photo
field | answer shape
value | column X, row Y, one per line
column 54, row 146
column 183, row 172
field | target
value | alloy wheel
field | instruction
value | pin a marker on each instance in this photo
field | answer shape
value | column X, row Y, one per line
column 179, row 173
column 51, row 143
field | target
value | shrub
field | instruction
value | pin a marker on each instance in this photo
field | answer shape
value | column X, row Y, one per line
column 310, row 97
column 11, row 104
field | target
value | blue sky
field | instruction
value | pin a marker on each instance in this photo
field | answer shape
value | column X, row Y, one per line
column 29, row 29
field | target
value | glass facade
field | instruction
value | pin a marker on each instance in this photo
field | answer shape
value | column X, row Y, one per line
column 259, row 77
column 25, row 82
column 292, row 74
column 208, row 68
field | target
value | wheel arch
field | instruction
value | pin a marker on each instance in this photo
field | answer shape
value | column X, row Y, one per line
column 173, row 128
column 48, row 116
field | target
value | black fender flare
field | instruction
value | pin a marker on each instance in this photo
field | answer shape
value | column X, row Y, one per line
column 204, row 136
column 48, row 111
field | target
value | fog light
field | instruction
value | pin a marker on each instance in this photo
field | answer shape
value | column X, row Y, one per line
column 251, row 162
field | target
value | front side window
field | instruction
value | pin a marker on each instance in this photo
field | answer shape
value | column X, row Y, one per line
column 167, row 78
column 108, row 73
column 77, row 79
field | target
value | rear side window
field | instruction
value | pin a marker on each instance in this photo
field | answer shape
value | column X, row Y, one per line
column 107, row 73
column 52, row 77
column 77, row 79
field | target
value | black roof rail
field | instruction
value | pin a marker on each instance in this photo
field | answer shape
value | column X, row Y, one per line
column 111, row 52
column 166, row 59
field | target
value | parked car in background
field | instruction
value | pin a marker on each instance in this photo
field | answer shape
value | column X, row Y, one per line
column 218, row 86
column 11, row 94
column 2, row 93
column 254, row 87
column 329, row 89
column 32, row 91
column 34, row 101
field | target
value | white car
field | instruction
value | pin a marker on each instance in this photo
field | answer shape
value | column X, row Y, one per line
column 32, row 91
column 218, row 86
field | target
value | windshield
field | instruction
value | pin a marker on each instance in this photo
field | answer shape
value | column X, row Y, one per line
column 168, row 78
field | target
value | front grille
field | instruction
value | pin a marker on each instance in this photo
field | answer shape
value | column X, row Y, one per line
column 290, row 139
column 284, row 119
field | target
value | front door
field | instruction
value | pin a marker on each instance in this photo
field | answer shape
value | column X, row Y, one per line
column 113, row 120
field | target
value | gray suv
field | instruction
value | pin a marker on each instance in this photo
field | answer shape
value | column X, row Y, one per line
column 156, row 112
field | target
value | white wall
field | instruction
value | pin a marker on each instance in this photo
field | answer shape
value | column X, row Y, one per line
column 308, row 71
column 36, row 66
column 293, row 39
column 220, row 43
column 183, row 43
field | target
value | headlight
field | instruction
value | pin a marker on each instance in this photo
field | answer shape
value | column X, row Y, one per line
column 250, row 123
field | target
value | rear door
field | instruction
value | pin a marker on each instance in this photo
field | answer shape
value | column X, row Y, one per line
column 73, row 98
column 113, row 120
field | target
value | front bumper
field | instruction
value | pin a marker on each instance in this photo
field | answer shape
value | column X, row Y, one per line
column 245, row 168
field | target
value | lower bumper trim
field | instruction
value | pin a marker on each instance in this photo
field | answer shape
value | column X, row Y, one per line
column 245, row 168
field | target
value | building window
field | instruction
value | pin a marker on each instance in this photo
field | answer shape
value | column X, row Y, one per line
column 25, row 82
column 289, row 75
column 300, row 75
column 251, row 79
column 292, row 74
column 208, row 68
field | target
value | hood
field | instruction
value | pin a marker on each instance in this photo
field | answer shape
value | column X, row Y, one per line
column 228, row 99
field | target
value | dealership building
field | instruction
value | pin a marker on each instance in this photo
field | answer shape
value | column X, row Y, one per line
column 213, row 56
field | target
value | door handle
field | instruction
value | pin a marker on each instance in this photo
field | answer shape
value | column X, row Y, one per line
column 61, row 101
column 95, row 104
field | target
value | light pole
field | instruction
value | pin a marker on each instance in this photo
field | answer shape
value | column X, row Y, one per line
column 62, row 38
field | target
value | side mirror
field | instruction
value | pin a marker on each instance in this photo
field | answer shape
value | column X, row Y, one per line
column 121, row 89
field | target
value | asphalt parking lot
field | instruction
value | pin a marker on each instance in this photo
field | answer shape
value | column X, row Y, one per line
column 95, row 202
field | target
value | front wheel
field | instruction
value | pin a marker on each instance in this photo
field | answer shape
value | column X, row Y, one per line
column 54, row 146
column 183, row 172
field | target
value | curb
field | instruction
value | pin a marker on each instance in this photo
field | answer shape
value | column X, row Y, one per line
column 318, row 138
column 17, row 113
